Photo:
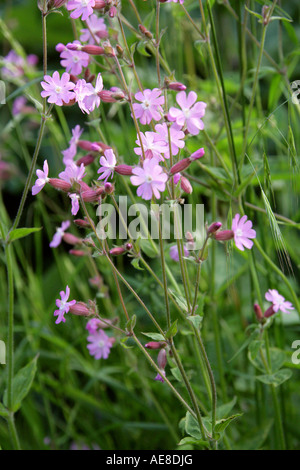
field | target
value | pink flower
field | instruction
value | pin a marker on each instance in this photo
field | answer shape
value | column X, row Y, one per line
column 70, row 152
column 242, row 229
column 97, row 26
column 190, row 114
column 18, row 105
column 59, row 234
column 93, row 325
column 83, row 8
column 75, row 203
column 150, row 107
column 278, row 301
column 42, row 179
column 151, row 179
column 174, row 252
column 176, row 136
column 153, row 145
column 63, row 305
column 72, row 173
column 92, row 100
column 74, row 61
column 100, row 344
column 108, row 164
column 176, row 1
column 87, row 96
column 58, row 89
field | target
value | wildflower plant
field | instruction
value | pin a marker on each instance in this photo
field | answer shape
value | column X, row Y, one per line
column 161, row 310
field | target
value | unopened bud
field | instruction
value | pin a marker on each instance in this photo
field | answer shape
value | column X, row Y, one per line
column 117, row 250
column 93, row 50
column 99, row 4
column 145, row 31
column 77, row 253
column 156, row 345
column 91, row 195
column 107, row 96
column 180, row 166
column 269, row 312
column 196, row 155
column 80, row 308
column 162, row 359
column 123, row 170
column 112, row 12
column 71, row 239
column 258, row 312
column 82, row 223
column 60, row 184
column 213, row 228
column 89, row 146
column 56, row 3
column 109, row 188
column 86, row 160
column 177, row 86
column 186, row 185
column 224, row 235
column 120, row 50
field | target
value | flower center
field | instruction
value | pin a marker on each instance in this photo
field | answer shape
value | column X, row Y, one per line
column 58, row 89
column 101, row 343
column 239, row 232
column 146, row 104
column 149, row 179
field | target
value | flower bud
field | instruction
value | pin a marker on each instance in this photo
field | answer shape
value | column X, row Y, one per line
column 77, row 253
column 93, row 50
column 117, row 250
column 107, row 96
column 224, row 235
column 123, row 170
column 128, row 246
column 145, row 31
column 180, row 166
column 56, row 3
column 91, row 195
column 99, row 4
column 213, row 228
column 196, row 155
column 269, row 312
column 82, row 223
column 108, row 49
column 60, row 184
column 177, row 86
column 258, row 312
column 186, row 185
column 86, row 160
column 156, row 345
column 162, row 359
column 109, row 188
column 80, row 308
column 71, row 239
column 89, row 146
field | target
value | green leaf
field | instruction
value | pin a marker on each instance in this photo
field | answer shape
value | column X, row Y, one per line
column 253, row 335
column 222, row 424
column 3, row 411
column 131, row 324
column 192, row 426
column 150, row 249
column 176, row 373
column 276, row 379
column 254, row 347
column 172, row 330
column 277, row 359
column 191, row 441
column 155, row 336
column 223, row 410
column 21, row 384
column 180, row 300
column 21, row 232
column 141, row 48
column 196, row 320
column 136, row 264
